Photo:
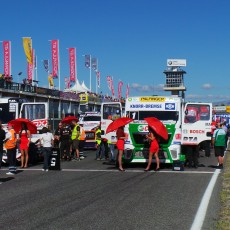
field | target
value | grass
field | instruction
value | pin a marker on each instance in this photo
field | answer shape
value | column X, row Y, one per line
column 223, row 222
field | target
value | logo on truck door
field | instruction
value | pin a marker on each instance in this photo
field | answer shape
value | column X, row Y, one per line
column 170, row 106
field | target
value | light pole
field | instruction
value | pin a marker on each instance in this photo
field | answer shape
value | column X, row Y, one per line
column 19, row 74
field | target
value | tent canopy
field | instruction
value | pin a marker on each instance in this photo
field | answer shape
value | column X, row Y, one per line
column 78, row 88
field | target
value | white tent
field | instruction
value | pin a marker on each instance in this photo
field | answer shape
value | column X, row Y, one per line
column 84, row 86
column 77, row 88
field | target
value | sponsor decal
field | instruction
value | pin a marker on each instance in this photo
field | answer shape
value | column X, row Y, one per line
column 176, row 142
column 197, row 131
column 170, row 106
column 145, row 106
column 190, row 139
column 142, row 128
column 152, row 99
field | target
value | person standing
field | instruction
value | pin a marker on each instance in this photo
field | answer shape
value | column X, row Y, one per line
column 2, row 138
column 24, row 138
column 57, row 136
column 153, row 150
column 112, row 152
column 218, row 141
column 100, row 152
column 120, row 146
column 10, row 146
column 75, row 140
column 65, row 142
column 82, row 137
column 47, row 139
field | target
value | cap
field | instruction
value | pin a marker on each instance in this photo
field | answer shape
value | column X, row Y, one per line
column 80, row 123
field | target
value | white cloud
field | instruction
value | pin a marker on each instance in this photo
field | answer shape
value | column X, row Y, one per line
column 146, row 88
column 207, row 86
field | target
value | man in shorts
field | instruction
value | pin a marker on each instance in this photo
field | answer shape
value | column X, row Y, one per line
column 218, row 141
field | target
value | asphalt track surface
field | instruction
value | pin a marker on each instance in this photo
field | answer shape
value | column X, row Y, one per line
column 93, row 194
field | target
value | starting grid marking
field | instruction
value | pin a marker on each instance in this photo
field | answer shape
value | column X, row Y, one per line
column 126, row 171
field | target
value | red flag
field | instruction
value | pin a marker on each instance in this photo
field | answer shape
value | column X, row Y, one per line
column 127, row 91
column 55, row 57
column 109, row 81
column 72, row 63
column 7, row 58
column 112, row 88
column 120, row 84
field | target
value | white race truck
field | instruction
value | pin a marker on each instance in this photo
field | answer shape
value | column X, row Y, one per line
column 188, row 125
column 90, row 121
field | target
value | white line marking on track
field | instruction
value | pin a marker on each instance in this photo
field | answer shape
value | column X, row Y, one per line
column 116, row 170
column 200, row 215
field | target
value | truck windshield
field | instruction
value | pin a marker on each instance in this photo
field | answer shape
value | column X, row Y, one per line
column 5, row 114
column 92, row 118
column 33, row 111
column 161, row 115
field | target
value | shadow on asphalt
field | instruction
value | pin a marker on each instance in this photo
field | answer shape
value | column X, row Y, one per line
column 2, row 180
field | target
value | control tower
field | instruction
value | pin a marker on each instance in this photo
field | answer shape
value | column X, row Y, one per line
column 175, row 77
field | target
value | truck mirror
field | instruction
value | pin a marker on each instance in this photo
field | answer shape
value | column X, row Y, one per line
column 186, row 112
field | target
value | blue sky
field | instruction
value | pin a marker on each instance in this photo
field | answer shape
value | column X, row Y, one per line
column 132, row 40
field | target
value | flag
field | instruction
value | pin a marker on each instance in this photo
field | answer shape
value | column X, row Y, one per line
column 67, row 83
column 30, row 68
column 87, row 61
column 120, row 84
column 109, row 81
column 27, row 44
column 7, row 57
column 55, row 57
column 98, row 79
column 94, row 64
column 46, row 65
column 127, row 91
column 35, row 61
column 112, row 88
column 72, row 64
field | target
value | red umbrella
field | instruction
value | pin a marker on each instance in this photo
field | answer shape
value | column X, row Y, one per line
column 69, row 119
column 157, row 126
column 17, row 124
column 118, row 123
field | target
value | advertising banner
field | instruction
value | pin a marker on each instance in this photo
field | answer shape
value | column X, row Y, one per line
column 27, row 44
column 72, row 64
column 30, row 68
column 55, row 57
column 7, row 58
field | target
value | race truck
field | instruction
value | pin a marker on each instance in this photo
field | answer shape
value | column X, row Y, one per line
column 90, row 121
column 13, row 108
column 188, row 126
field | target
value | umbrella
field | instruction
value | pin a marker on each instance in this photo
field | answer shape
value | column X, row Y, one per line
column 17, row 124
column 157, row 126
column 118, row 123
column 69, row 119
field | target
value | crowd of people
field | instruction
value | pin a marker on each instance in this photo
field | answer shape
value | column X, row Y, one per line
column 70, row 139
column 6, row 80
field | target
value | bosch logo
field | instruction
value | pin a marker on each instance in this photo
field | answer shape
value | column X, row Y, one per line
column 170, row 62
column 197, row 131
column 169, row 106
